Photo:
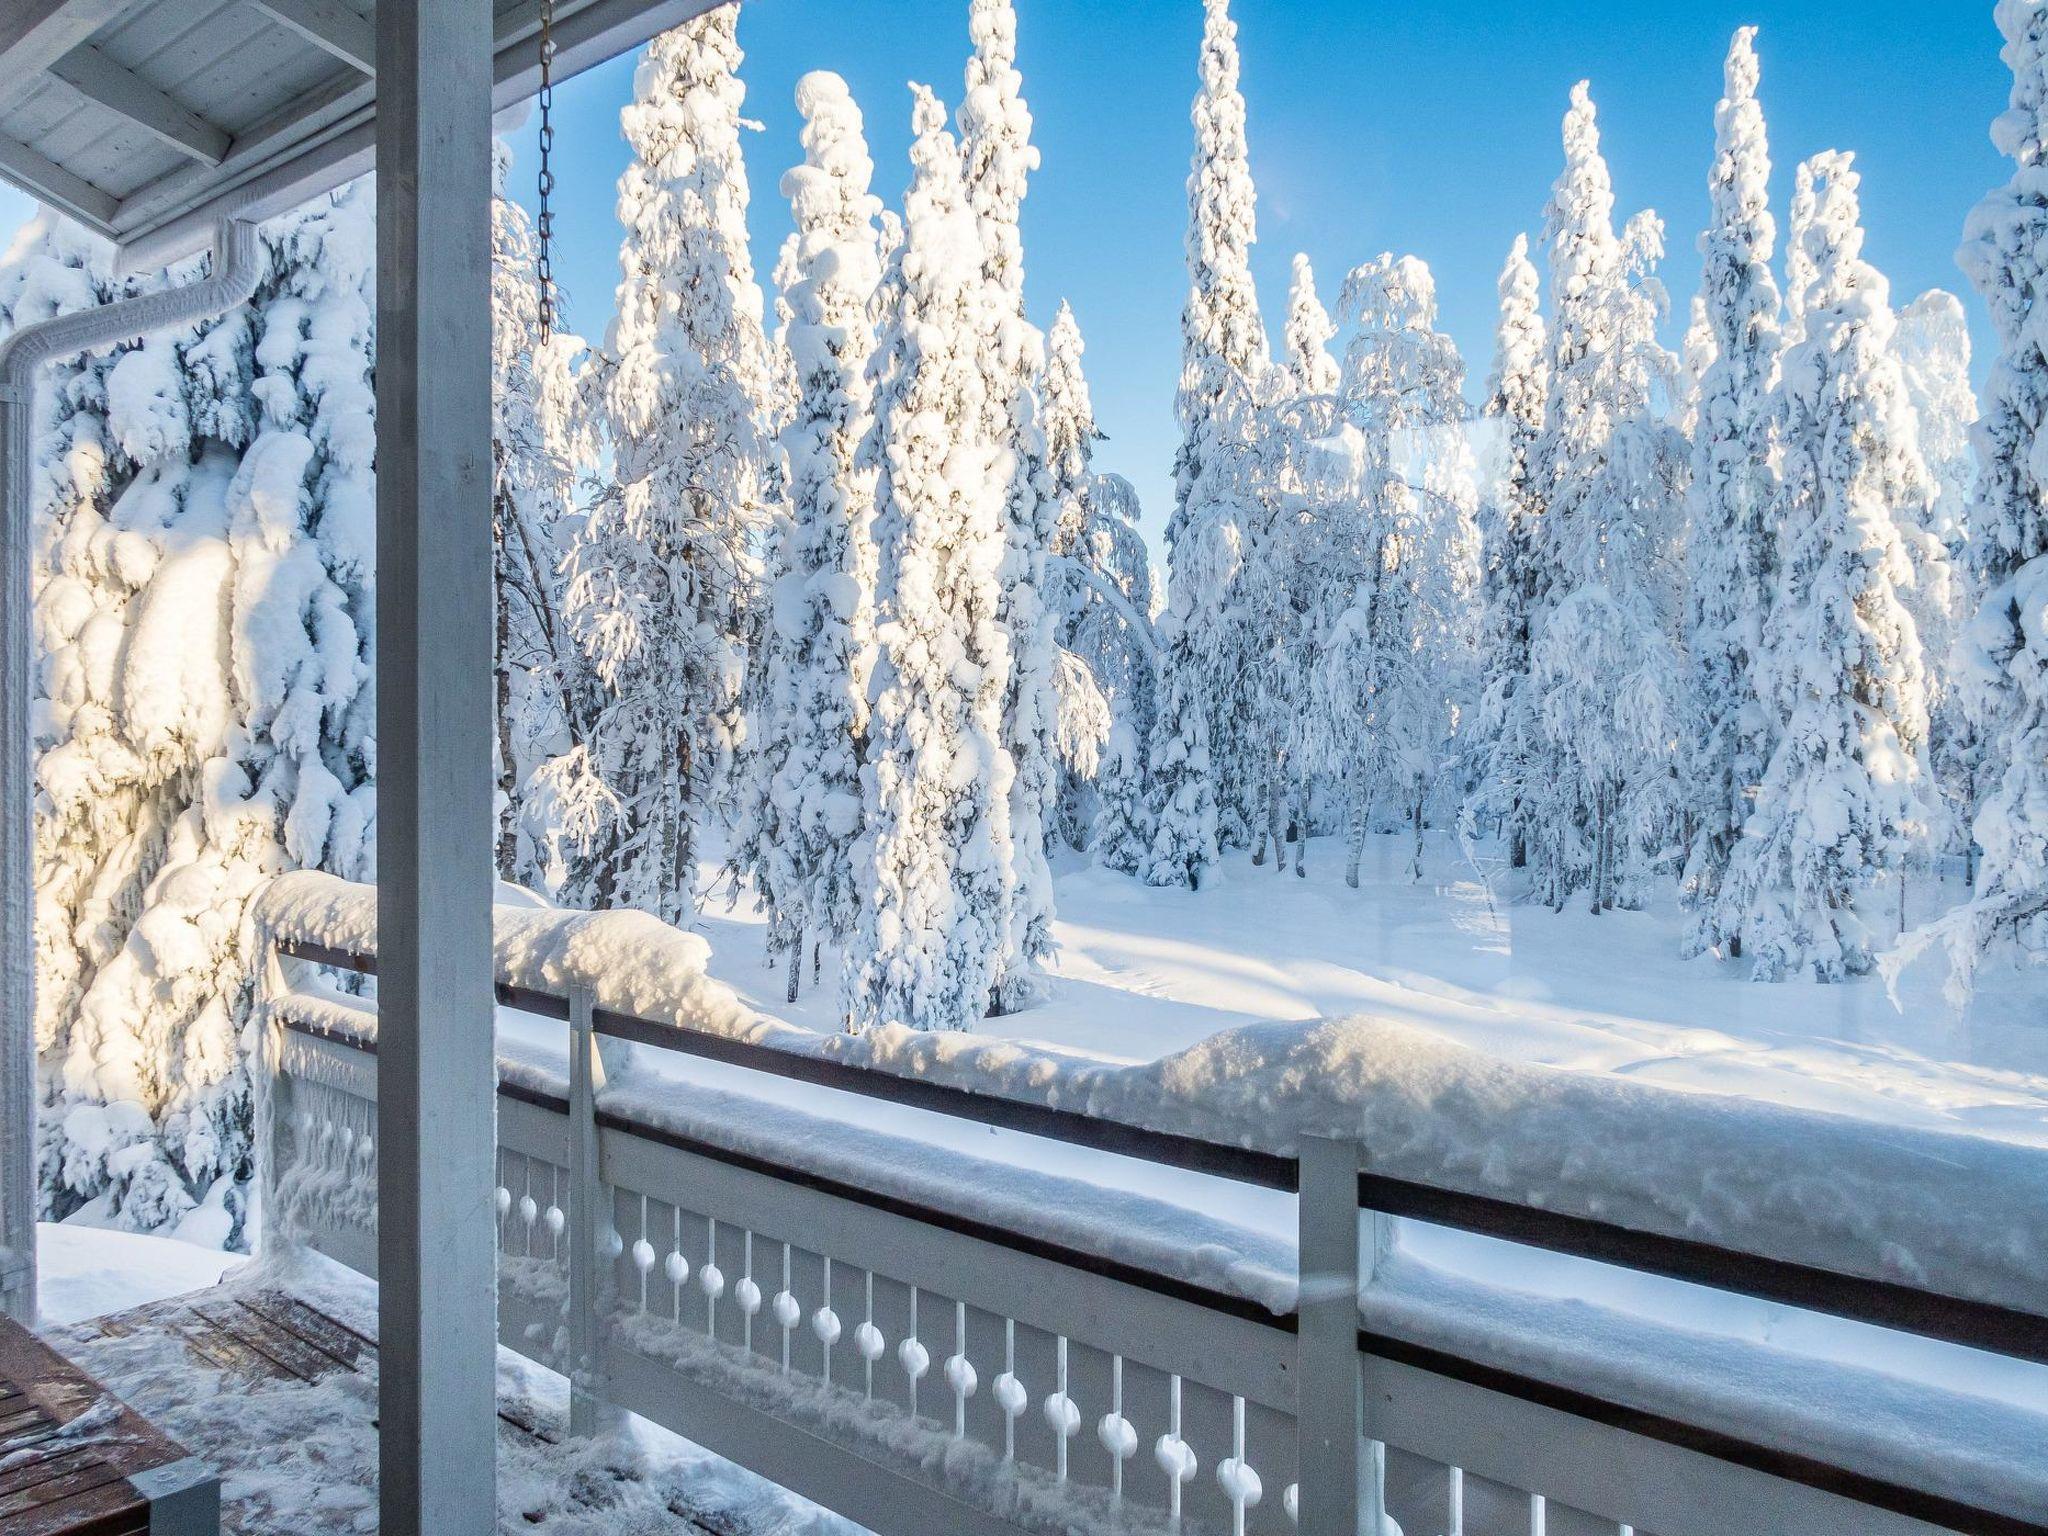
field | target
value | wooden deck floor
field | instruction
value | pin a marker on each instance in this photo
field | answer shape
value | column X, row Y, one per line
column 76, row 1461
column 280, row 1396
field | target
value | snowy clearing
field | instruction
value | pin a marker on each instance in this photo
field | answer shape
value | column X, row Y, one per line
column 1144, row 972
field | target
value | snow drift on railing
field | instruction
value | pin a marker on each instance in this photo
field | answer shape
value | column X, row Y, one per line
column 1932, row 1209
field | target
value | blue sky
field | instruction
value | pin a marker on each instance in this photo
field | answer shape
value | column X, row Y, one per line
column 1404, row 125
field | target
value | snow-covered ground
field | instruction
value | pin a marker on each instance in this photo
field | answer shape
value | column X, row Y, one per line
column 1145, row 972
column 86, row 1271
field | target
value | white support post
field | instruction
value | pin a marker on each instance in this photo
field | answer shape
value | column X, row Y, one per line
column 1329, row 1408
column 589, row 1219
column 437, row 1077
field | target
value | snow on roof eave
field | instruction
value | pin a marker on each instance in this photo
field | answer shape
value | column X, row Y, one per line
column 335, row 153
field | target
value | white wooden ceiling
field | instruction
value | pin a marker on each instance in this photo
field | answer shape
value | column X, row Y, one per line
column 148, row 119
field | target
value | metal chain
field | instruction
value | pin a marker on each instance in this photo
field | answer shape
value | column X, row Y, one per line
column 544, row 259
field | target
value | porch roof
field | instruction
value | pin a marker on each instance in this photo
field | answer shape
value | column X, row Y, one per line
column 147, row 120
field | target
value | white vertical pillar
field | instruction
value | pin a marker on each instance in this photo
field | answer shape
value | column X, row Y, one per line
column 1329, row 1406
column 18, row 1196
column 590, row 1217
column 437, row 1081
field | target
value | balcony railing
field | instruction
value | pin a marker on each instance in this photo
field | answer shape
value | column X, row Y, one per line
column 927, row 1372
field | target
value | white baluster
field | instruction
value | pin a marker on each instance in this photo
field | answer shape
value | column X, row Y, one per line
column 1060, row 1412
column 868, row 1340
column 912, row 1355
column 1239, row 1482
column 825, row 1322
column 787, row 1313
column 1010, row 1394
column 747, row 1295
column 960, row 1371
column 1457, row 1502
column 1175, row 1456
column 529, row 1210
column 1116, row 1433
column 643, row 1254
column 1539, row 1515
column 711, row 1279
column 675, row 1266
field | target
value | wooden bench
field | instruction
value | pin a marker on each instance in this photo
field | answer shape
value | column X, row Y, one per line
column 76, row 1461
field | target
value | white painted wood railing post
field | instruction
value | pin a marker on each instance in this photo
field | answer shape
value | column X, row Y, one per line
column 589, row 1220
column 1329, row 1407
column 436, row 1062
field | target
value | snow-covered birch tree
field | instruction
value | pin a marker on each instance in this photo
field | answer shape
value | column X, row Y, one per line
column 1843, row 799
column 1732, row 538
column 1934, row 356
column 2005, row 255
column 661, row 591
column 936, row 860
column 542, row 444
column 1604, row 668
column 1103, row 575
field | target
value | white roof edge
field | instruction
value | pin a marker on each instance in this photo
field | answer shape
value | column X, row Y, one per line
column 599, row 31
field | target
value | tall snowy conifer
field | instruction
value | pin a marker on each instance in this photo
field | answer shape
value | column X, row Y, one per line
column 995, row 134
column 661, row 592
column 204, row 617
column 1732, row 540
column 1842, row 802
column 2005, row 254
column 1603, row 665
column 1516, row 581
column 823, row 605
column 1311, row 369
column 1224, row 360
column 936, row 784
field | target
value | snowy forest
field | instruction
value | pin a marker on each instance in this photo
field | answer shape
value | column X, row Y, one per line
column 814, row 604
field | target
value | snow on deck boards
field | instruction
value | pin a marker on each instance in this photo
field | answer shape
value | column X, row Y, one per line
column 281, row 1395
column 68, row 1447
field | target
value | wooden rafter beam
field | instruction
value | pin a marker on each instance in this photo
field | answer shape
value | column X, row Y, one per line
column 120, row 90
column 329, row 26
column 34, row 34
column 57, row 186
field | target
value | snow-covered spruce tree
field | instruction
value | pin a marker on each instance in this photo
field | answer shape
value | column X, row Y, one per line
column 823, row 604
column 1842, row 802
column 1934, row 354
column 541, row 443
column 995, row 137
column 1224, row 360
column 1731, row 548
column 1123, row 833
column 1397, row 658
column 1311, row 370
column 936, row 861
column 2005, row 678
column 204, row 618
column 1604, row 668
column 1515, row 582
column 662, row 581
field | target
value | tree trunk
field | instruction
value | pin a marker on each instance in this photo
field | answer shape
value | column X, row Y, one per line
column 796, row 963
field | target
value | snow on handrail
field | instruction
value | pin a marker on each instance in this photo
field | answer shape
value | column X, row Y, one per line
column 1900, row 1227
